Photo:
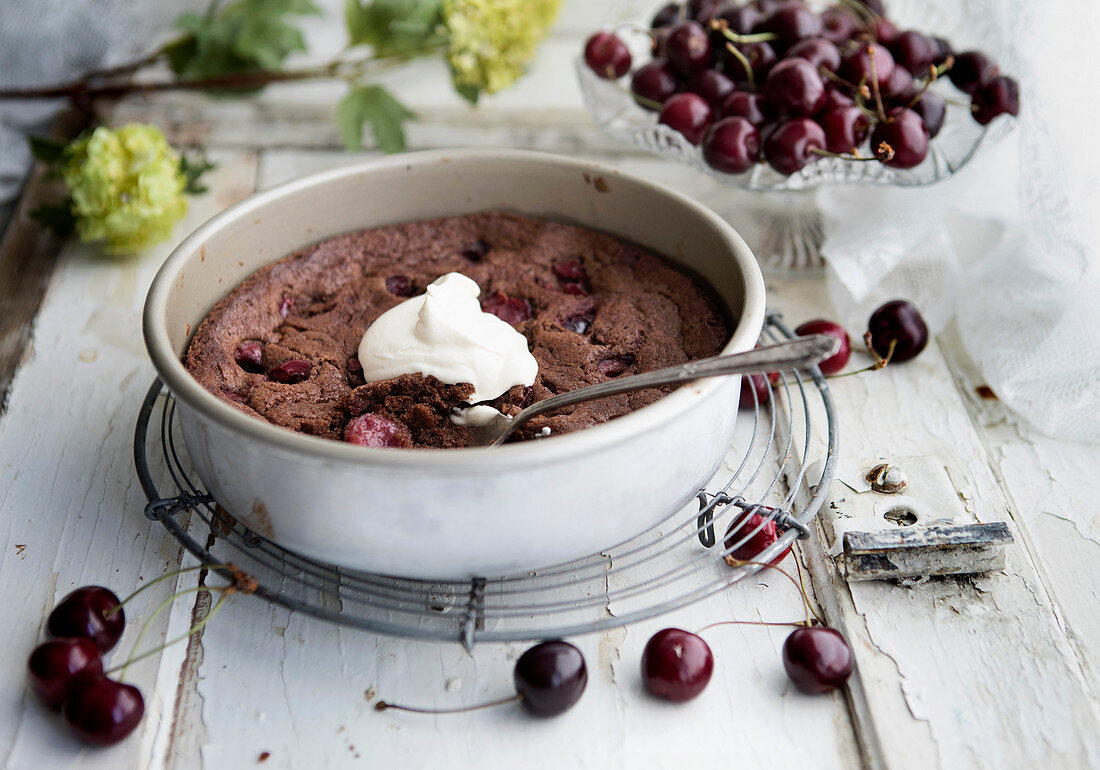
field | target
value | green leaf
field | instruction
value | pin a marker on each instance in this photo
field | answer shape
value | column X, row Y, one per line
column 468, row 92
column 46, row 150
column 244, row 36
column 192, row 170
column 396, row 27
column 56, row 217
column 376, row 106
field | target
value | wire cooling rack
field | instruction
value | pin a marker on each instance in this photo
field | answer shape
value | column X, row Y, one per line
column 673, row 564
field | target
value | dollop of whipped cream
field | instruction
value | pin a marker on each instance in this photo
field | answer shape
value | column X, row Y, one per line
column 444, row 333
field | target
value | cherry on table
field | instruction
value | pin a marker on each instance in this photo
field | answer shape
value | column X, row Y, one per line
column 653, row 84
column 54, row 665
column 550, row 677
column 732, row 145
column 607, row 56
column 93, row 613
column 971, row 71
column 838, row 360
column 943, row 50
column 905, row 133
column 817, row 659
column 102, row 711
column 794, row 88
column 764, row 533
column 676, row 665
column 1001, row 96
column 754, row 391
column 687, row 113
column 900, row 324
column 790, row 147
column 687, row 47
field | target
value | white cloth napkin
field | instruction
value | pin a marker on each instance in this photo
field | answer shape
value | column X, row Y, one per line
column 1009, row 247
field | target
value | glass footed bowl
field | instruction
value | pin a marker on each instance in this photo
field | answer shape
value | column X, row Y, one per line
column 794, row 223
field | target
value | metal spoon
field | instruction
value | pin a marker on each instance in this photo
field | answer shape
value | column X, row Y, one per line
column 798, row 353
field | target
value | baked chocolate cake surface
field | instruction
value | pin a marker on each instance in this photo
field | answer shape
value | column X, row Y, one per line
column 591, row 306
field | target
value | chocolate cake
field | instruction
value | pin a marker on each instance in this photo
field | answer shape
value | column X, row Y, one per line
column 282, row 345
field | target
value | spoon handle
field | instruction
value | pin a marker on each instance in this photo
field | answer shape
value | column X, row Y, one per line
column 798, row 353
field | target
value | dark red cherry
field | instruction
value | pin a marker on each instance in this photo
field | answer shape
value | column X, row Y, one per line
column 932, row 111
column 875, row 6
column 666, row 17
column 653, row 84
column 1001, row 96
column 837, row 360
column 250, row 356
column 570, row 270
column 817, row 660
column 943, row 50
column 579, row 322
column 817, row 51
column 476, row 251
column 794, row 88
column 971, row 71
column 732, row 145
column 285, row 305
column 550, row 678
column 93, row 613
column 900, row 324
column 514, row 310
column 760, row 528
column 845, row 128
column 901, row 89
column 743, row 104
column 607, row 56
column 834, row 97
column 399, row 285
column 790, row 147
column 913, row 51
column 885, row 31
column 754, row 391
column 712, row 85
column 739, row 18
column 54, row 665
column 702, row 10
column 790, row 23
column 857, row 67
column 374, row 431
column 291, row 372
column 615, row 364
column 688, row 47
column 839, row 24
column 760, row 56
column 905, row 133
column 687, row 113
column 102, row 711
column 676, row 665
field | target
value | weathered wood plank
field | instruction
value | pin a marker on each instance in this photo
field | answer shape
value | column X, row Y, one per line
column 69, row 499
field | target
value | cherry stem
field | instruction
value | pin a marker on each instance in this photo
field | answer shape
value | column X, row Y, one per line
column 729, row 34
column 225, row 591
column 880, row 362
column 383, row 706
column 797, row 584
column 791, row 624
column 874, row 84
column 830, row 75
column 165, row 576
column 744, row 63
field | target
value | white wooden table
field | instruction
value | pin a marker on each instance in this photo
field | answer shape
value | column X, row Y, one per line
column 992, row 671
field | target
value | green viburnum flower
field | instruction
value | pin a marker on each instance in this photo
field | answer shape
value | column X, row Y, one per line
column 127, row 187
column 491, row 41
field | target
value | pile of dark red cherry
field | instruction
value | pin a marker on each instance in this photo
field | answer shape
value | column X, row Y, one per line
column 771, row 80
column 67, row 671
